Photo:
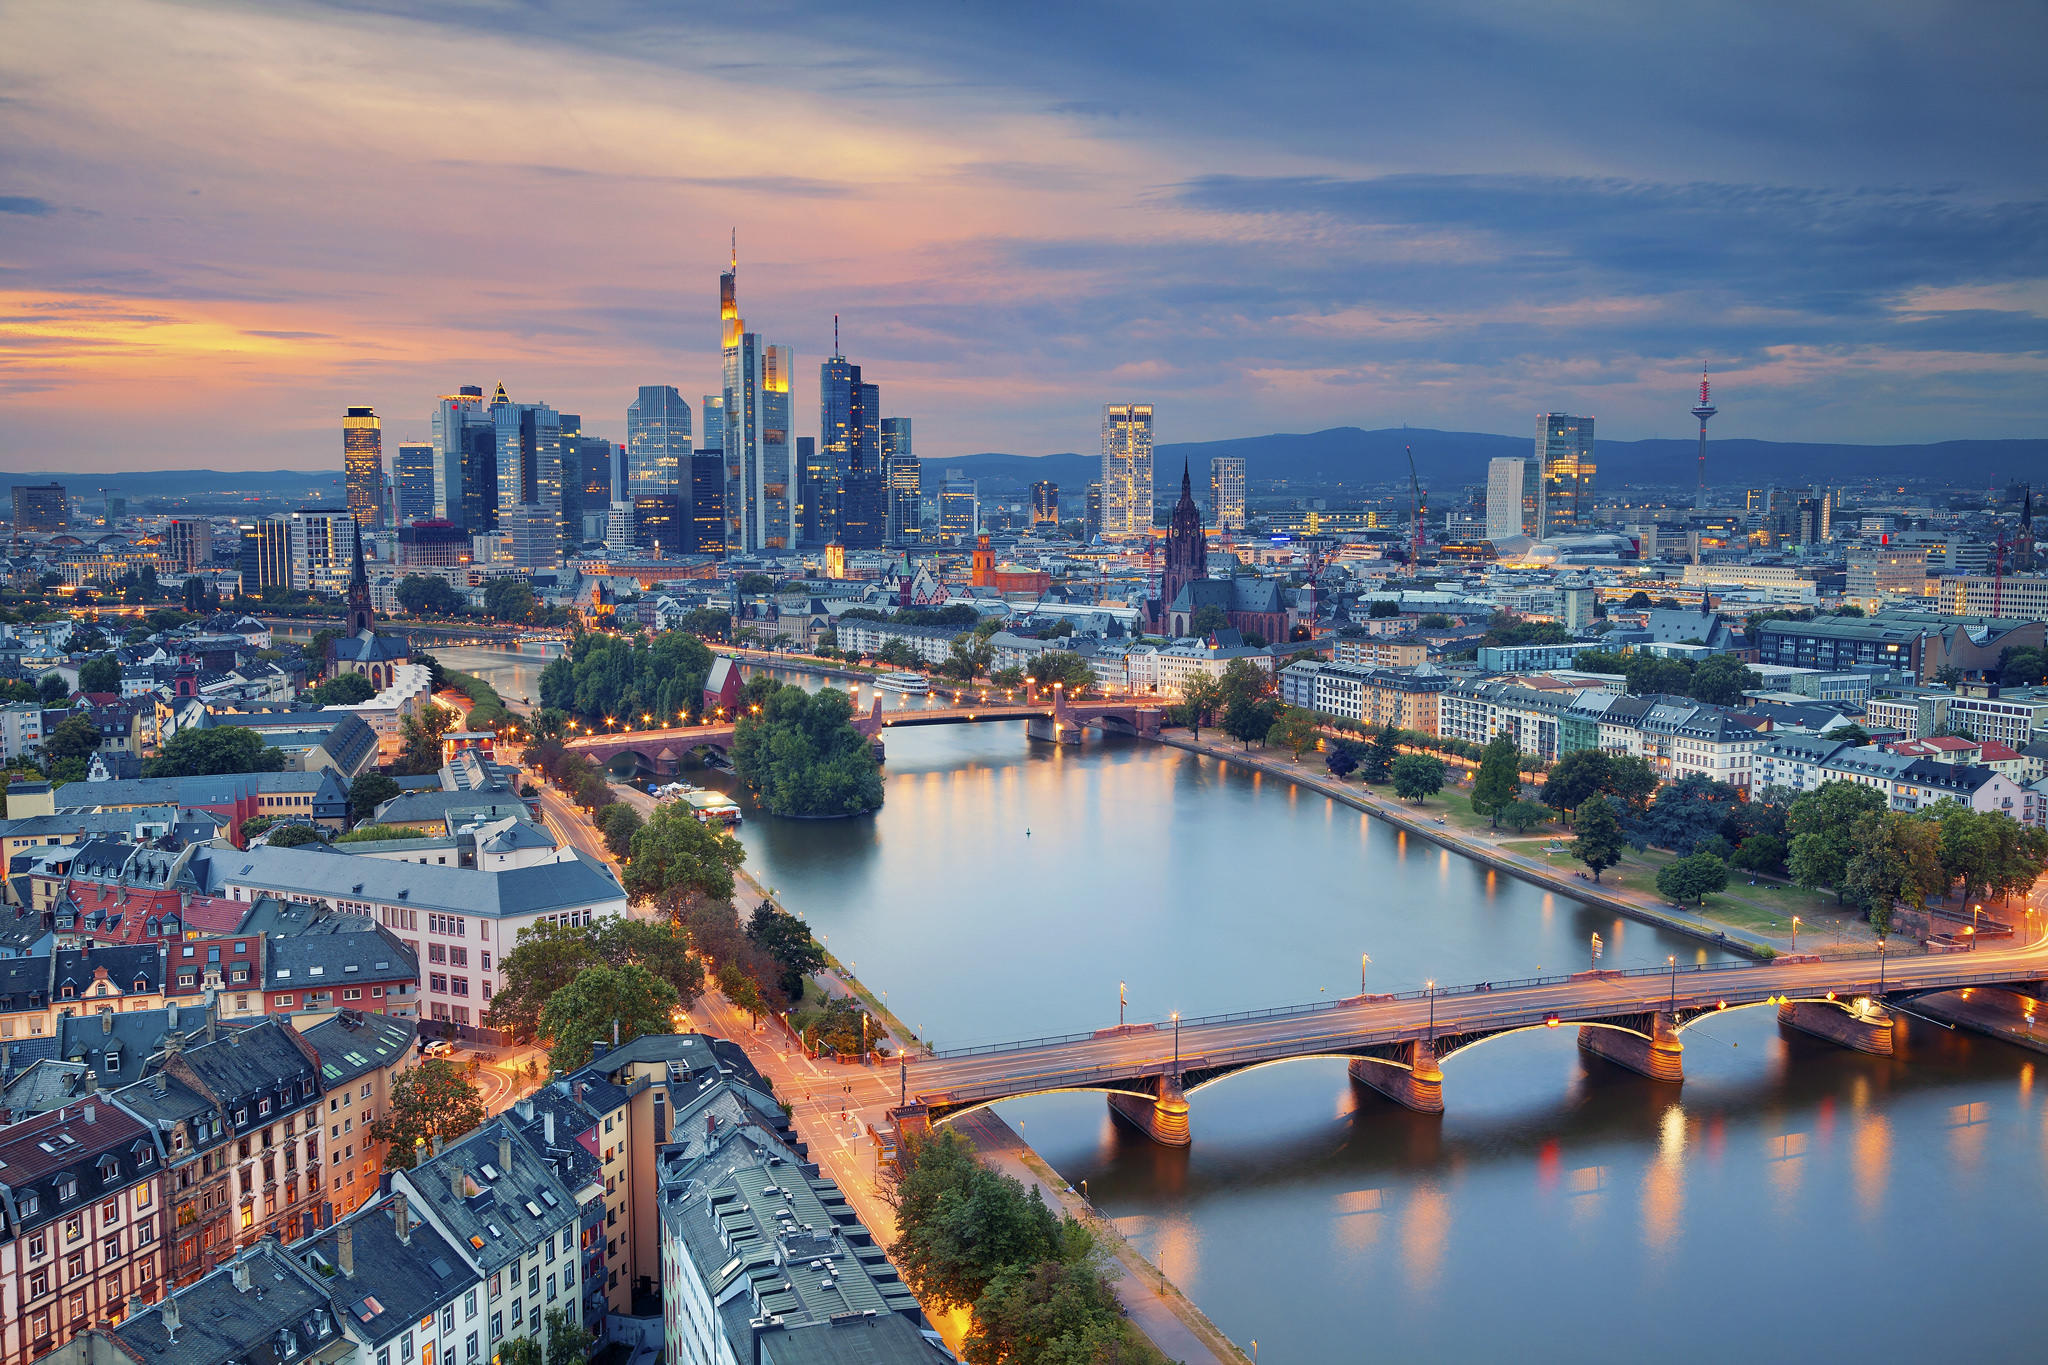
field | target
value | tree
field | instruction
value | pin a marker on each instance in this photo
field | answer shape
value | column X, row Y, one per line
column 101, row 673
column 520, row 1351
column 1574, row 777
column 1208, row 619
column 2024, row 666
column 52, row 689
column 1896, row 859
column 1848, row 734
column 802, row 756
column 420, row 739
column 294, row 836
column 619, row 822
column 960, row 1225
column 678, row 860
column 1343, row 756
column 1243, row 680
column 787, row 940
column 1201, row 698
column 509, row 598
column 1598, row 844
column 630, row 997
column 1693, row 879
column 422, row 594
column 1066, row 668
column 1248, row 719
column 1821, row 828
column 344, row 689
column 969, row 658
column 1631, row 781
column 1523, row 816
column 1379, row 762
column 1764, row 853
column 548, row 957
column 1721, row 679
column 1049, row 1311
column 1417, row 777
column 1499, row 783
column 225, row 749
column 568, row 1342
column 1687, row 812
column 754, row 584
column 1295, row 730
column 432, row 1099
column 373, row 834
column 76, row 738
column 368, row 792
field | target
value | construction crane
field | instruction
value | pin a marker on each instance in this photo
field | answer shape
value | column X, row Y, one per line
column 1416, row 510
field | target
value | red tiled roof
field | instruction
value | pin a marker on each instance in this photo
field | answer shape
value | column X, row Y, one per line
column 1995, row 752
column 21, row 1143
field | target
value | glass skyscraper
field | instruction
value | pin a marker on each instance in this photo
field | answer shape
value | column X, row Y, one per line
column 412, row 470
column 1514, row 499
column 530, row 476
column 1564, row 447
column 1226, row 493
column 465, row 460
column 362, row 460
column 760, row 455
column 1126, row 470
column 905, row 480
column 853, row 509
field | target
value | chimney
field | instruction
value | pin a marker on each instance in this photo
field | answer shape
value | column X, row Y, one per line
column 401, row 1217
column 436, row 1144
column 134, row 1306
column 106, row 1021
column 458, row 1183
column 92, row 1081
column 615, row 1035
column 504, row 1151
column 598, row 1047
column 241, row 1275
column 547, row 1124
column 92, row 1113
column 345, row 1248
column 171, row 1015
column 171, row 1322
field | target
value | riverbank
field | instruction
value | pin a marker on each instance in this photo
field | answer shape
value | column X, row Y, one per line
column 1480, row 850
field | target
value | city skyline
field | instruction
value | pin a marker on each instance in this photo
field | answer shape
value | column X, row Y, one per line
column 188, row 275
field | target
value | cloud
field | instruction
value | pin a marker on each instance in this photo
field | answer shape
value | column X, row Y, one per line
column 27, row 205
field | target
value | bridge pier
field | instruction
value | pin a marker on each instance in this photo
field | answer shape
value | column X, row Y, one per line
column 1164, row 1120
column 1052, row 730
column 1417, row 1083
column 1863, row 1026
column 1659, row 1057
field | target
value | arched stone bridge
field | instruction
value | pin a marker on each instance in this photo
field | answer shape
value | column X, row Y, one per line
column 1397, row 1044
column 1051, row 718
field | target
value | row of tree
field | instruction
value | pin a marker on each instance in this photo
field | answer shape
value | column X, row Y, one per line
column 628, row 679
column 1718, row 679
column 970, row 1237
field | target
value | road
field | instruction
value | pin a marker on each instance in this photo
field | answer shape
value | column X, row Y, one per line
column 566, row 821
column 1345, row 1026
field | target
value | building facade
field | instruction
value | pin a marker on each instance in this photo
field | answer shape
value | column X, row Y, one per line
column 1514, row 499
column 1564, row 449
column 1226, row 494
column 760, row 450
column 362, row 459
column 1126, row 470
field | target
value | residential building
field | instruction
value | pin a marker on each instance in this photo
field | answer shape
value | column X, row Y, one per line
column 1404, row 698
column 259, row 1306
column 188, row 544
column 1226, row 494
column 402, row 1289
column 1514, row 499
column 932, row 644
column 1168, row 668
column 760, row 449
column 41, row 507
column 362, row 458
column 1529, row 658
column 1384, row 651
column 35, row 992
column 1880, row 574
column 905, row 478
column 1564, row 449
column 1126, row 470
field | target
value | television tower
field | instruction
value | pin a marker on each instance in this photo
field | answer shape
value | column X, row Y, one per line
column 1703, row 410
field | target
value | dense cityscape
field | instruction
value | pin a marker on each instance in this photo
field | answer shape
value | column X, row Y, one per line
column 697, row 881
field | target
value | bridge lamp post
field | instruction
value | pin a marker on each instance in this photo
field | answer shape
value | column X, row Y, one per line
column 1176, row 1045
column 1880, row 967
column 1672, row 1007
column 1429, row 990
column 1795, row 933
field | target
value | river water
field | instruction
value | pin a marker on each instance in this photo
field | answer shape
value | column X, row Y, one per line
column 1791, row 1199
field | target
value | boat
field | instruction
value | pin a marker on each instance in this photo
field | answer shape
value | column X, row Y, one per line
column 904, row 682
column 710, row 807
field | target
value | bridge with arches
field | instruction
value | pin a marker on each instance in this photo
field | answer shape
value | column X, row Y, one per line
column 1048, row 716
column 1397, row 1044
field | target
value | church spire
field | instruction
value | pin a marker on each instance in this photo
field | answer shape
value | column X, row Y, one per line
column 360, row 617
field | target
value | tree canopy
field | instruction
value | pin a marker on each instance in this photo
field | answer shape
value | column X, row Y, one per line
column 344, row 689
column 788, row 941
column 432, row 1099
column 1417, row 777
column 802, row 757
column 678, row 860
column 1598, row 842
column 607, row 678
column 547, row 957
column 222, row 749
column 368, row 792
column 630, row 997
column 1499, row 783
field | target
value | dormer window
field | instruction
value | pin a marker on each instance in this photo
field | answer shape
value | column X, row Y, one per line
column 262, row 1108
column 67, row 1188
column 241, row 1117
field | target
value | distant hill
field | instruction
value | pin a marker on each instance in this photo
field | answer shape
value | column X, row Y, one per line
column 1351, row 455
column 212, row 484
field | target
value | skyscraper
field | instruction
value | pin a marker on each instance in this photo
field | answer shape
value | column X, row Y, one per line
column 465, row 461
column 847, row 504
column 529, row 454
column 1126, row 470
column 266, row 555
column 817, row 498
column 412, row 471
column 659, row 446
column 322, row 545
column 760, row 454
column 714, row 422
column 1226, row 493
column 362, row 461
column 188, row 544
column 599, row 455
column 959, row 506
column 1091, row 526
column 1564, row 445
column 905, row 479
column 707, row 502
column 1045, row 503
column 41, row 507
column 1514, row 498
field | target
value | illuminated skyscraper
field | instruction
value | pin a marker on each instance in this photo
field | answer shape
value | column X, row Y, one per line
column 707, row 502
column 1045, row 503
column 362, row 460
column 713, row 411
column 959, row 507
column 1564, row 446
column 1514, row 499
column 465, row 461
column 658, row 452
column 412, row 472
column 905, row 479
column 529, row 442
column 266, row 558
column 760, row 454
column 1226, row 493
column 188, row 544
column 322, row 547
column 1126, row 470
column 845, row 500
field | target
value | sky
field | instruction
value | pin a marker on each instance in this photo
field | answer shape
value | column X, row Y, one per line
column 221, row 223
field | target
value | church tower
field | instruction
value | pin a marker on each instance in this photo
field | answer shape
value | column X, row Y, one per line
column 360, row 617
column 1187, row 549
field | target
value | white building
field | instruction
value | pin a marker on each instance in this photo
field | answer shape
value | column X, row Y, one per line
column 322, row 549
column 1126, row 470
column 1514, row 499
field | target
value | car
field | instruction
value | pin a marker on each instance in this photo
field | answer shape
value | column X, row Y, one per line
column 441, row 1047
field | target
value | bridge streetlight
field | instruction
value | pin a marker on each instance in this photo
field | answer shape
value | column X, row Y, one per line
column 1176, row 1046
column 1364, row 961
column 1795, row 933
column 1672, row 1007
column 1880, row 967
column 1429, row 990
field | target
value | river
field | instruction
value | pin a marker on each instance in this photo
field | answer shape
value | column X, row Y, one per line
column 1792, row 1199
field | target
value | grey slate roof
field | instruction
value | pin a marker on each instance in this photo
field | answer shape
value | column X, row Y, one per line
column 353, row 1044
column 393, row 1283
column 574, row 882
column 497, row 1221
column 282, row 1318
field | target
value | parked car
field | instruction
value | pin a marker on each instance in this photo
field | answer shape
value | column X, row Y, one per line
column 440, row 1047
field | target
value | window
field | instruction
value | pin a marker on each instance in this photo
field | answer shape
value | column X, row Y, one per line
column 469, row 1347
column 283, row 1002
column 487, row 960
column 458, row 957
column 39, row 1284
column 352, row 993
column 459, row 985
column 110, row 1248
column 436, row 952
column 497, row 1326
column 111, row 1210
column 38, row 1246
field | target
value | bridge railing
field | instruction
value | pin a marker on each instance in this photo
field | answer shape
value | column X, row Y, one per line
column 1683, row 972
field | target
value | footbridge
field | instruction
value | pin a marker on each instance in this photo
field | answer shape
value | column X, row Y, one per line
column 1397, row 1044
column 1049, row 717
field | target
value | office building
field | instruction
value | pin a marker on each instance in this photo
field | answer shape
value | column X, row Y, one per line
column 1514, row 499
column 1045, row 503
column 1226, row 494
column 323, row 545
column 188, row 544
column 412, row 473
column 362, row 459
column 1126, row 470
column 600, row 460
column 760, row 450
column 817, row 499
column 529, row 455
column 959, row 507
column 657, row 528
column 458, row 463
column 618, row 530
column 1564, row 447
column 707, row 502
column 532, row 534
column 659, row 449
column 266, row 557
column 41, row 507
column 713, row 413
column 1092, row 526
column 905, row 478
column 844, row 499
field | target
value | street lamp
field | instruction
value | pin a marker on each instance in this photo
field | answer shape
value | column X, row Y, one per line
column 1176, row 1045
column 1672, row 1008
column 1880, row 966
column 1795, row 933
column 1429, row 989
column 1364, row 961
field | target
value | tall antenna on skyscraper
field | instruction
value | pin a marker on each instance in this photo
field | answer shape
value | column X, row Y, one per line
column 835, row 334
column 735, row 251
column 1703, row 410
